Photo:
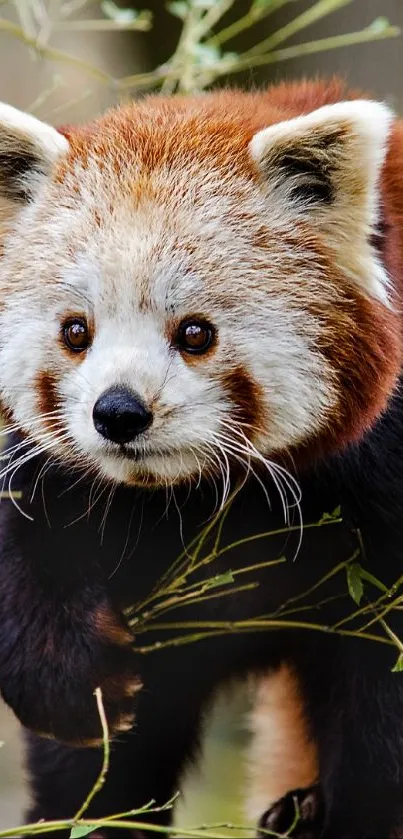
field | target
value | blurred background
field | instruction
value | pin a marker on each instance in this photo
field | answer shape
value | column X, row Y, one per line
column 62, row 90
column 60, row 59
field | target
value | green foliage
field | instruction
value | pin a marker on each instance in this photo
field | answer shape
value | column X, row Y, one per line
column 354, row 580
column 356, row 575
column 398, row 667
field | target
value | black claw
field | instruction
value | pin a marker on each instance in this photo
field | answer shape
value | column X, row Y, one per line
column 299, row 814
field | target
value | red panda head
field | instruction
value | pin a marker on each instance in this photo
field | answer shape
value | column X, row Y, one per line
column 187, row 283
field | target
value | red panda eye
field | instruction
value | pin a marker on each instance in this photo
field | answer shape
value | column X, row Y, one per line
column 76, row 334
column 194, row 336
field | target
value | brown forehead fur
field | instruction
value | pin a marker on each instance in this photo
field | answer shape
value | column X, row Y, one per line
column 216, row 126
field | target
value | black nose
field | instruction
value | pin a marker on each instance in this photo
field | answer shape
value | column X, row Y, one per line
column 120, row 416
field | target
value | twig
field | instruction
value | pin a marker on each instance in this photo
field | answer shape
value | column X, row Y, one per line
column 52, row 54
column 103, row 25
column 308, row 48
column 279, row 532
column 45, row 95
column 254, row 15
column 210, row 629
column 105, row 763
column 212, row 17
column 204, row 832
column 181, row 65
column 307, row 18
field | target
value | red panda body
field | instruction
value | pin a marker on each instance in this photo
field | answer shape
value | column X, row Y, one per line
column 203, row 296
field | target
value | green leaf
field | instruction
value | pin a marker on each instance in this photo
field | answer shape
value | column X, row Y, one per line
column 380, row 24
column 365, row 575
column 220, row 580
column 333, row 516
column 178, row 8
column 398, row 667
column 354, row 581
column 78, row 831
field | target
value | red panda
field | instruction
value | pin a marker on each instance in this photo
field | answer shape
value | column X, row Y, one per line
column 190, row 288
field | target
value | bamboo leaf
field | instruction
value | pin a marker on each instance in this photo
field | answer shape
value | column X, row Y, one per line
column 354, row 581
column 220, row 580
column 365, row 575
column 333, row 516
column 398, row 667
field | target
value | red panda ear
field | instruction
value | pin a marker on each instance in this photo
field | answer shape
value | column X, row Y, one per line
column 325, row 167
column 28, row 150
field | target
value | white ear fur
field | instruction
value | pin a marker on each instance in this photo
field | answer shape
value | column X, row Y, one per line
column 327, row 165
column 28, row 150
column 26, row 128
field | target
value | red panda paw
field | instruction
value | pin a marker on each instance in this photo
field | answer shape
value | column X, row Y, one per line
column 51, row 683
column 298, row 815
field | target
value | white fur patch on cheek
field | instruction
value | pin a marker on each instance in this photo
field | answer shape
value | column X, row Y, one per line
column 21, row 360
column 298, row 393
column 295, row 381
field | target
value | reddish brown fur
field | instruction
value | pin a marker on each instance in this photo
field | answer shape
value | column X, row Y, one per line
column 246, row 397
column 106, row 623
column 366, row 368
column 48, row 399
column 216, row 127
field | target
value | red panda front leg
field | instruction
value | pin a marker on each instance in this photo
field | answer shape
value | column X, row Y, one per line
column 61, row 638
column 50, row 667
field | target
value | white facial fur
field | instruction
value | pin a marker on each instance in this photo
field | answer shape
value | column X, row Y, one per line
column 189, row 244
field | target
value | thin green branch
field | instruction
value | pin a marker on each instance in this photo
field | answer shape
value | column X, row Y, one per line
column 212, row 628
column 57, row 55
column 308, row 48
column 106, row 758
column 212, row 16
column 379, row 618
column 173, row 588
column 182, row 71
column 204, row 832
column 181, row 65
column 40, row 100
column 369, row 607
column 254, row 15
column 316, row 12
column 392, row 635
column 103, row 25
column 279, row 532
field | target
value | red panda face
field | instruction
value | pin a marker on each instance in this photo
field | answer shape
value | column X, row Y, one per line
column 182, row 288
